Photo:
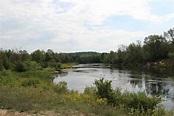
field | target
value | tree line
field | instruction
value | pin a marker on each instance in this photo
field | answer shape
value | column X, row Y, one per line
column 21, row 60
column 154, row 48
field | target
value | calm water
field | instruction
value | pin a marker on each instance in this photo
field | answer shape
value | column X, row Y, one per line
column 152, row 83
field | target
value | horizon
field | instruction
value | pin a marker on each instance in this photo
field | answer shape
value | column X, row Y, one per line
column 71, row 26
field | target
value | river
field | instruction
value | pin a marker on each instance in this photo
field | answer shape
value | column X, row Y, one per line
column 153, row 83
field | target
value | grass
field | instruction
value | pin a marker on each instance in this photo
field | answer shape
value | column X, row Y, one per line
column 35, row 100
column 34, row 92
column 67, row 65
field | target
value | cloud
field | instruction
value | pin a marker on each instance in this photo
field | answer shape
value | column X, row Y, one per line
column 95, row 12
column 72, row 25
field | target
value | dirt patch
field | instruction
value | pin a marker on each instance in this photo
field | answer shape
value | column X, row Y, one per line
column 13, row 113
column 4, row 112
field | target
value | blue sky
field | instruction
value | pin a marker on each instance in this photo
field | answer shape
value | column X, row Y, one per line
column 81, row 25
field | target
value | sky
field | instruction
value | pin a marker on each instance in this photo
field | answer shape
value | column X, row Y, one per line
column 81, row 25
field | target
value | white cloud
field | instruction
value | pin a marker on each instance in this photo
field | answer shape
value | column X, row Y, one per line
column 95, row 12
column 65, row 21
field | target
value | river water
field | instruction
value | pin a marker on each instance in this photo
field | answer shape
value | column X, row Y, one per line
column 153, row 83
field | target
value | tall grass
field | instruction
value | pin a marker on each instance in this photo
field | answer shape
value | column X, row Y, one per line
column 33, row 91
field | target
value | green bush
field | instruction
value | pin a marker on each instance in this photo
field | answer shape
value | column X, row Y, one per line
column 8, row 78
column 104, row 90
column 32, row 66
column 61, row 87
column 58, row 66
column 30, row 82
column 20, row 67
column 134, row 101
column 90, row 91
column 1, row 65
column 140, row 101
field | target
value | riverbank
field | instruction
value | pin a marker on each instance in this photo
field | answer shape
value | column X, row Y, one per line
column 165, row 63
column 55, row 101
column 33, row 93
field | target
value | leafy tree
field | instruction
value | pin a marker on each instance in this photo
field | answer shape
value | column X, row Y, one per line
column 65, row 58
column 104, row 57
column 20, row 67
column 14, row 55
column 49, row 56
column 6, row 62
column 170, row 35
column 32, row 65
column 24, row 55
column 120, row 57
column 112, row 57
column 1, row 60
column 133, row 54
column 155, row 47
column 38, row 56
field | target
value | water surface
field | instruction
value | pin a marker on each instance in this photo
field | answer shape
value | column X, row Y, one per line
column 153, row 83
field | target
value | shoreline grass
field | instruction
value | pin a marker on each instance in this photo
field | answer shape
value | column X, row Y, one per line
column 34, row 92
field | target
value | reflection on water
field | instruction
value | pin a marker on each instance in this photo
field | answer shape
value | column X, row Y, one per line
column 84, row 75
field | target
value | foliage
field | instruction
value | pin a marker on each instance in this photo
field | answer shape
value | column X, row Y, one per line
column 135, row 101
column 34, row 91
column 26, row 80
column 30, row 82
column 170, row 35
column 21, row 61
column 61, row 87
column 90, row 91
column 104, row 89
column 20, row 67
column 155, row 47
column 133, row 54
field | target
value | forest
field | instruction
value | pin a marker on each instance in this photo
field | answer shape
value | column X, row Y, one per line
column 155, row 50
column 26, row 81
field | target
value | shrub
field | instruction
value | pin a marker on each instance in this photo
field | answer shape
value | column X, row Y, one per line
column 104, row 90
column 90, row 91
column 58, row 66
column 30, row 82
column 32, row 66
column 138, row 100
column 1, row 65
column 20, row 67
column 61, row 87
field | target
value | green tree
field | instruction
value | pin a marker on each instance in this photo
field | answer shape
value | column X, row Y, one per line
column 133, row 54
column 65, row 58
column 170, row 35
column 38, row 56
column 20, row 67
column 104, row 57
column 1, row 60
column 6, row 62
column 155, row 48
column 112, row 57
column 24, row 55
column 49, row 56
